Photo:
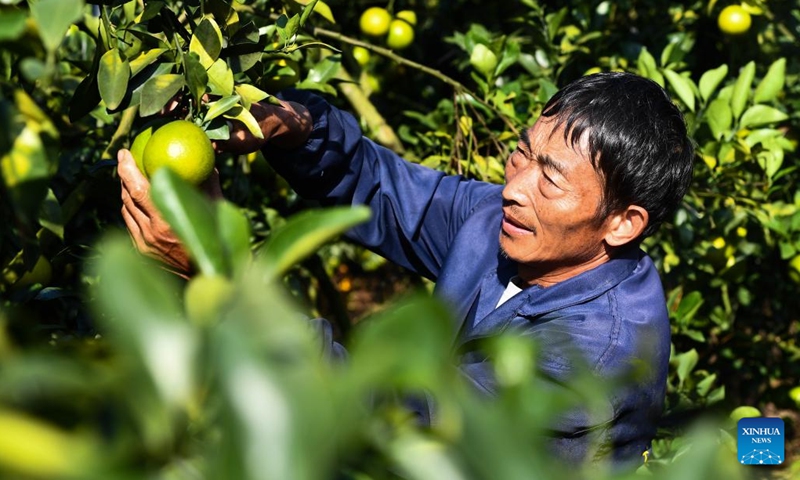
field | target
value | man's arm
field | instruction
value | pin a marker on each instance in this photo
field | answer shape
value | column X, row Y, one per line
column 416, row 210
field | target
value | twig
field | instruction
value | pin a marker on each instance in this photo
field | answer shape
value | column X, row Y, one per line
column 410, row 63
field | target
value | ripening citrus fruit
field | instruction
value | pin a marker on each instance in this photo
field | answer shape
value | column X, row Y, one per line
column 184, row 148
column 206, row 296
column 401, row 34
column 409, row 16
column 734, row 20
column 744, row 411
column 375, row 21
column 140, row 141
column 794, row 394
column 361, row 55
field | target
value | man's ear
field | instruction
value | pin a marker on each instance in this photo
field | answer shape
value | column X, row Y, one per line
column 626, row 225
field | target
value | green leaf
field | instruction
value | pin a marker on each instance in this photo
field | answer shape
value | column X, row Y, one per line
column 772, row 83
column 647, row 64
column 146, row 58
column 12, row 24
column 719, row 118
column 206, row 42
column 220, row 79
column 287, row 27
column 704, row 385
column 234, row 229
column 685, row 364
column 689, row 306
column 196, row 76
column 158, row 91
column 250, row 94
column 217, row 108
column 112, row 78
column 741, row 89
column 191, row 217
column 325, row 70
column 54, row 18
column 770, row 160
column 304, row 233
column 241, row 114
column 406, row 346
column 761, row 115
column 682, row 86
column 309, row 7
column 711, row 80
column 85, row 98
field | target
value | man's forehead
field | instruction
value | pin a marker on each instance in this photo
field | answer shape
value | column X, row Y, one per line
column 548, row 133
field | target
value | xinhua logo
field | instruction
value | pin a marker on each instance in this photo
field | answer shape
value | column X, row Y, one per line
column 760, row 441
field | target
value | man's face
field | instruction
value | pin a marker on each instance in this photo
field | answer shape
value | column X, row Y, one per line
column 550, row 200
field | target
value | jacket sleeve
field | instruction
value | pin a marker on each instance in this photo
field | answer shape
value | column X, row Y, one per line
column 416, row 211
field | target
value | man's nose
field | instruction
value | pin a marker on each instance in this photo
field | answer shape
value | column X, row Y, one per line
column 516, row 191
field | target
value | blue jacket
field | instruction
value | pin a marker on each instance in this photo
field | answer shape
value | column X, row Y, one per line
column 446, row 228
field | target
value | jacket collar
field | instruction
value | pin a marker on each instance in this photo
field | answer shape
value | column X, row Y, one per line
column 536, row 301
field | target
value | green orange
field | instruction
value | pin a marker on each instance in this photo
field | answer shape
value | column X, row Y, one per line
column 375, row 21
column 734, row 20
column 361, row 55
column 401, row 34
column 184, row 148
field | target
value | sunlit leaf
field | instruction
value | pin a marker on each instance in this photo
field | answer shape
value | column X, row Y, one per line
column 32, row 447
column 112, row 78
column 719, row 118
column 218, row 107
column 772, row 83
column 234, row 229
column 196, row 76
column 145, row 319
column 241, row 114
column 250, row 94
column 54, row 18
column 206, row 42
column 711, row 80
column 305, row 232
column 191, row 216
column 158, row 91
column 682, row 86
column 220, row 79
column 145, row 59
column 12, row 24
column 741, row 89
column 761, row 115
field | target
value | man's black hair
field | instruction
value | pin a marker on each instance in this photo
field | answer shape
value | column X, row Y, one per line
column 637, row 140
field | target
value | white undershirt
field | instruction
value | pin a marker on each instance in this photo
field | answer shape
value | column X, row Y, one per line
column 511, row 290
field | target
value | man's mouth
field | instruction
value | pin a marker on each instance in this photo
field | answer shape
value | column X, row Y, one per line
column 512, row 226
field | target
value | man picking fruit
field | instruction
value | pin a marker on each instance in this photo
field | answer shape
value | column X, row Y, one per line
column 552, row 255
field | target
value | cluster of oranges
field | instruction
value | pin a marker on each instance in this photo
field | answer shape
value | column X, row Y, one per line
column 398, row 30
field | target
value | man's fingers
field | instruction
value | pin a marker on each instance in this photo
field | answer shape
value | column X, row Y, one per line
column 135, row 231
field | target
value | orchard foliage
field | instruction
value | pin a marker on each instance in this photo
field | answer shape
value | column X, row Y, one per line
column 111, row 367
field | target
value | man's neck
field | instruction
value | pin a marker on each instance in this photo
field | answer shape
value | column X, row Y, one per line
column 547, row 276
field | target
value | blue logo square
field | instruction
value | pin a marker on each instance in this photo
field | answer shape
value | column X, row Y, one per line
column 760, row 441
